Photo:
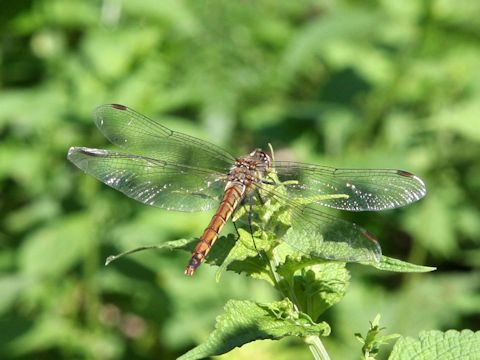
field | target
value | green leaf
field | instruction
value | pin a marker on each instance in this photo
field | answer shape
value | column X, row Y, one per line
column 437, row 345
column 233, row 254
column 390, row 264
column 229, row 252
column 247, row 321
column 316, row 286
column 241, row 260
column 247, row 248
column 293, row 263
column 255, row 267
column 222, row 248
column 183, row 244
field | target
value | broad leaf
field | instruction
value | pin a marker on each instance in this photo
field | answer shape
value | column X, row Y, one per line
column 247, row 321
column 437, row 345
column 390, row 264
column 247, row 247
column 183, row 244
column 316, row 286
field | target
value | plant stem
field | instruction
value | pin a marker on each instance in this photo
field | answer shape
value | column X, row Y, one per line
column 273, row 263
column 314, row 343
column 316, row 348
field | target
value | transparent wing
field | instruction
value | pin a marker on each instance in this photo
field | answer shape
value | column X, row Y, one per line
column 151, row 181
column 360, row 189
column 143, row 136
column 320, row 234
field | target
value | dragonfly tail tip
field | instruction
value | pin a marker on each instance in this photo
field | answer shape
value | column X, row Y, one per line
column 189, row 271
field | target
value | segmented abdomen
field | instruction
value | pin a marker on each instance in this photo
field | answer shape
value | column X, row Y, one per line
column 231, row 199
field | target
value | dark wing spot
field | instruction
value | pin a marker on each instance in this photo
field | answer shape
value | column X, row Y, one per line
column 119, row 107
column 92, row 152
column 404, row 173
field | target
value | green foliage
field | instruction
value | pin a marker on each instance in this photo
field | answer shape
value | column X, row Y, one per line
column 372, row 341
column 345, row 83
column 308, row 285
column 389, row 264
column 430, row 345
column 318, row 287
column 246, row 321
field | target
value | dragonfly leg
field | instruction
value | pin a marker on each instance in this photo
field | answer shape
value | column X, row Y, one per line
column 253, row 239
column 269, row 182
column 236, row 229
column 249, row 226
column 260, row 198
column 250, row 214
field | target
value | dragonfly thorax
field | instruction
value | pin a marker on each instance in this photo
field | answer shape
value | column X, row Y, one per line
column 250, row 168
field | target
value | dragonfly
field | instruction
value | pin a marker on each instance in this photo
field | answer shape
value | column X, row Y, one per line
column 175, row 171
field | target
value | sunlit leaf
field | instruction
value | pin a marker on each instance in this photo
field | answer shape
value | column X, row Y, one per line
column 247, row 247
column 437, row 345
column 317, row 285
column 246, row 321
column 390, row 264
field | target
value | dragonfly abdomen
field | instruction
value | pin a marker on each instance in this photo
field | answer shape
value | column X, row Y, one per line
column 234, row 194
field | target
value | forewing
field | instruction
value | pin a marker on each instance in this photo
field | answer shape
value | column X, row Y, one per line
column 152, row 181
column 143, row 136
column 350, row 189
column 320, row 234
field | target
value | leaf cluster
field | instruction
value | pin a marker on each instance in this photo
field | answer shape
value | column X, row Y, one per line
column 307, row 284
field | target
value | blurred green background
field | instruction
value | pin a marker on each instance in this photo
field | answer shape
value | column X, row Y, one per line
column 344, row 83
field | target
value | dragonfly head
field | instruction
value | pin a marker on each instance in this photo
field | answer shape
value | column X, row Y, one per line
column 262, row 159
